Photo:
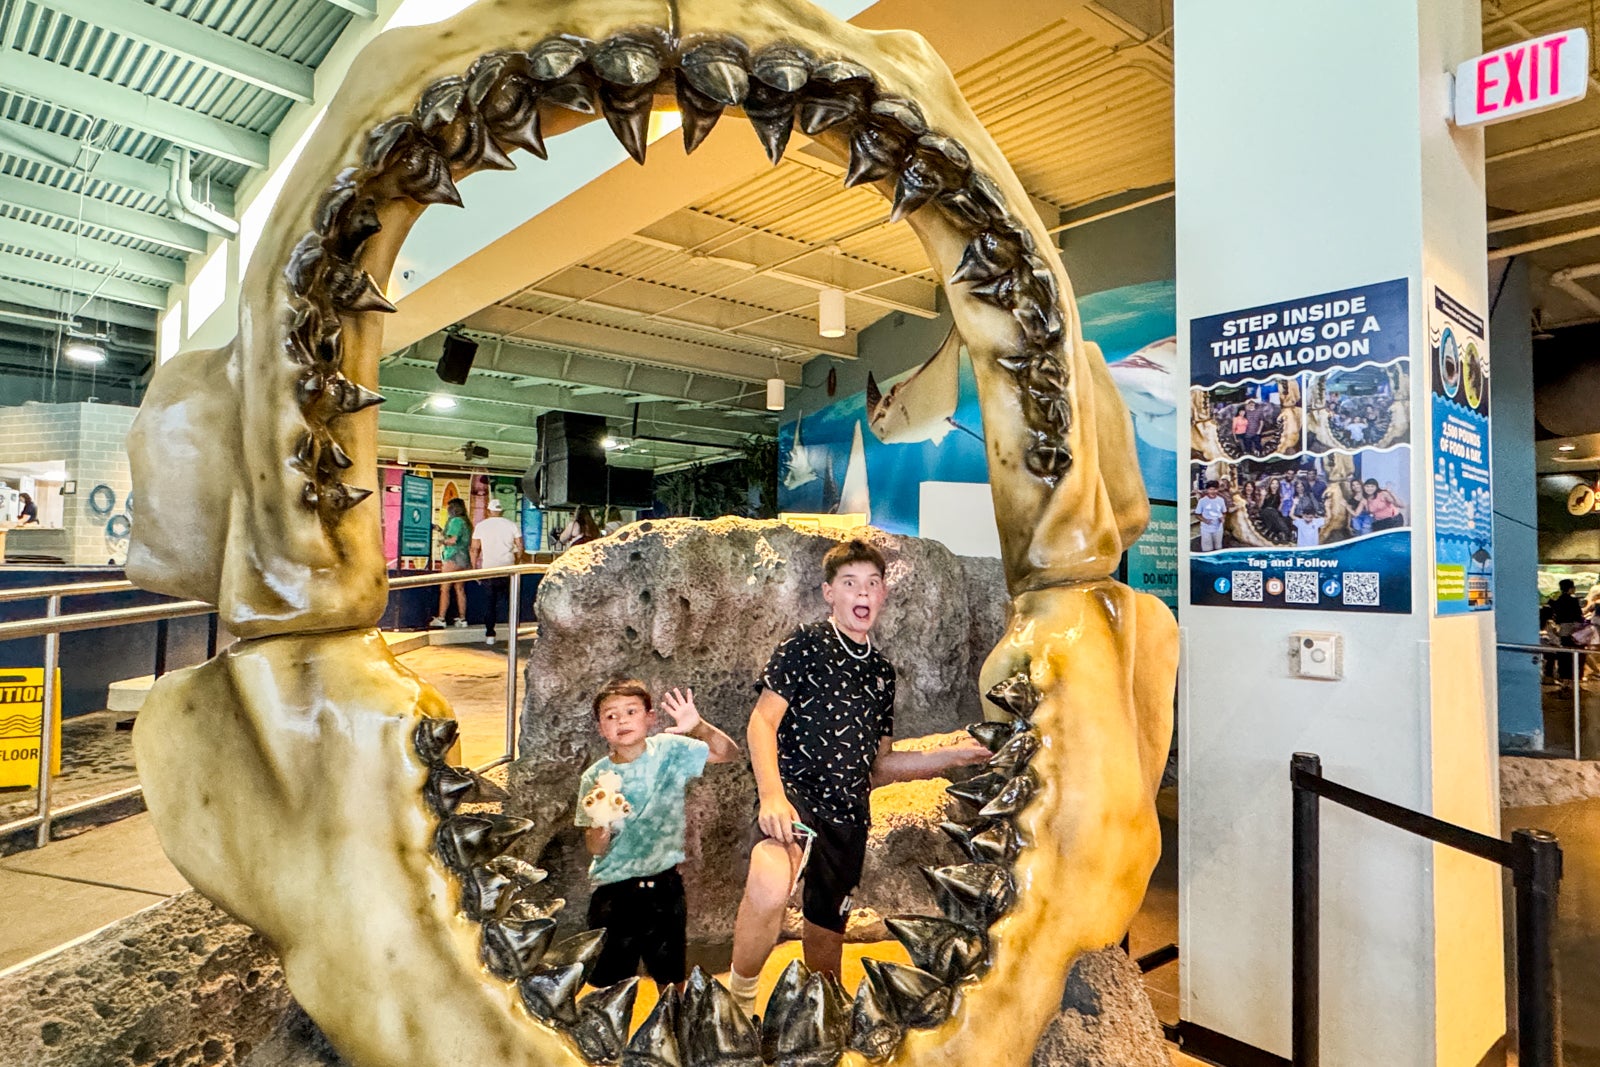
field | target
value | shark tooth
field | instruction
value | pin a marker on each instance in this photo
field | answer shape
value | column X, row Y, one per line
column 353, row 289
column 987, row 196
column 433, row 738
column 920, row 1000
column 310, row 495
column 713, row 1032
column 305, row 263
column 1042, row 323
column 973, row 894
column 963, row 209
column 918, row 185
column 992, row 735
column 304, row 458
column 582, row 948
column 782, row 67
column 627, row 112
column 902, row 112
column 556, row 57
column 341, row 497
column 1015, row 753
column 962, row 834
column 875, row 1029
column 513, row 868
column 655, row 1043
column 987, row 257
column 875, row 153
column 485, row 894
column 771, row 113
column 344, row 218
column 574, row 94
column 819, row 113
column 1016, row 695
column 440, row 104
column 716, row 71
column 348, row 397
column 1000, row 843
column 534, row 909
column 782, row 1004
column 700, row 113
column 946, row 950
column 949, row 150
column 603, row 1017
column 1047, row 459
column 1002, row 292
column 400, row 152
column 551, row 995
column 513, row 949
column 838, row 91
column 337, row 456
column 1012, row 798
column 807, row 1022
column 447, row 787
column 468, row 841
column 627, row 60
column 979, row 789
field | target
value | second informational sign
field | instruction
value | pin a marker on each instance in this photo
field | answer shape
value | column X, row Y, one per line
column 416, row 521
column 1463, row 503
column 1153, row 558
column 1300, row 454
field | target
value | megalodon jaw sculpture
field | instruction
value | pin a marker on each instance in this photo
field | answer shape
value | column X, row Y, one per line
column 299, row 778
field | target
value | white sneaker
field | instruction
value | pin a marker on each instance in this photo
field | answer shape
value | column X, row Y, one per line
column 436, row 623
column 489, row 640
column 460, row 624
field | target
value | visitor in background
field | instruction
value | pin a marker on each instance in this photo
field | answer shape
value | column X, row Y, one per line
column 1566, row 614
column 496, row 542
column 457, row 556
column 580, row 530
column 30, row 511
column 613, row 522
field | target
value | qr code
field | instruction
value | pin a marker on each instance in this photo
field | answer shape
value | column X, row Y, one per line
column 1361, row 588
column 1247, row 586
column 1300, row 587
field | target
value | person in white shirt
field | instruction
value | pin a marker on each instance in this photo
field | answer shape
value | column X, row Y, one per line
column 1212, row 509
column 496, row 542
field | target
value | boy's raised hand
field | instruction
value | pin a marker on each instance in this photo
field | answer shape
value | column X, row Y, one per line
column 679, row 704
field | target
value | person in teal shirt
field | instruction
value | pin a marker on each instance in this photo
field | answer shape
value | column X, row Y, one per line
column 631, row 806
column 457, row 556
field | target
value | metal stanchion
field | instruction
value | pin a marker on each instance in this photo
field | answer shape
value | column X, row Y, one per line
column 1536, row 874
column 161, row 647
column 1577, row 704
column 1305, row 994
column 211, row 635
column 511, row 666
column 47, row 721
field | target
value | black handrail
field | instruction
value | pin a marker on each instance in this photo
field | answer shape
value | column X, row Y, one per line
column 1533, row 856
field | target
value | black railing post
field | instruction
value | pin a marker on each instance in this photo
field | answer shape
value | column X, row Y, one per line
column 161, row 647
column 1305, row 1002
column 1536, row 876
column 211, row 635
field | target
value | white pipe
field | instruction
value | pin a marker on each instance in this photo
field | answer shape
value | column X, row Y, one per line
column 1536, row 218
column 1075, row 223
column 180, row 197
column 1567, row 282
column 1544, row 242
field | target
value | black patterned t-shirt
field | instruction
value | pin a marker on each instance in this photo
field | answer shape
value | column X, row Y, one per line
column 841, row 704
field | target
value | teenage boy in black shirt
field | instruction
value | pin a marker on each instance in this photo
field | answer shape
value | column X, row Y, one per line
column 820, row 740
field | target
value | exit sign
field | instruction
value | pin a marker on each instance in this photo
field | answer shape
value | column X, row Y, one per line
column 1523, row 78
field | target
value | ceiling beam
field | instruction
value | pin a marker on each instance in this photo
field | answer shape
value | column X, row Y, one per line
column 193, row 41
column 96, row 97
column 59, row 276
column 366, row 9
column 113, row 258
column 52, row 303
column 127, row 221
column 67, row 153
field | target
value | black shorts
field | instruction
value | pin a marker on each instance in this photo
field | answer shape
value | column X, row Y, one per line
column 646, row 920
column 833, row 870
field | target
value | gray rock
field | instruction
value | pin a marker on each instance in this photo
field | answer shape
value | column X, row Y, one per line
column 178, row 983
column 1527, row 782
column 296, row 1042
column 1106, row 1019
column 681, row 602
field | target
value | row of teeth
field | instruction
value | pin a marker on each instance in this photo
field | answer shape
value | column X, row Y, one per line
column 810, row 1020
column 462, row 124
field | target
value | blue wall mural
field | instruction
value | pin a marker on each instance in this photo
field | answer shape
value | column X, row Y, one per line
column 871, row 451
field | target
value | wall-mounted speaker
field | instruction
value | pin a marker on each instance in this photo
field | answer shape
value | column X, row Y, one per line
column 455, row 362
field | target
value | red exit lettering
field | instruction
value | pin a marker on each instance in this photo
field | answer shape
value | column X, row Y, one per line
column 1529, row 76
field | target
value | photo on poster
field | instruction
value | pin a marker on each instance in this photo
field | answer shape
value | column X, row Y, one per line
column 1247, row 419
column 1303, row 502
column 1362, row 407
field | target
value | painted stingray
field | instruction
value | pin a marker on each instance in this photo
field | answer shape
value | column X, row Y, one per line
column 300, row 779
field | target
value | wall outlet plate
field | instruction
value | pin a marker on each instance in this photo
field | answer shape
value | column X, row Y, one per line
column 1316, row 654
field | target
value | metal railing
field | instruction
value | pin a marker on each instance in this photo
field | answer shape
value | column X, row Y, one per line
column 53, row 624
column 1577, row 655
column 1533, row 856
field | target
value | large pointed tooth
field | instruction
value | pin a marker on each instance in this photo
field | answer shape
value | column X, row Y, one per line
column 655, row 1043
column 875, row 1029
column 771, row 113
column 716, row 71
column 813, row 1027
column 434, row 738
column 819, row 113
column 1016, row 695
column 947, row 950
column 485, row 894
column 514, row 949
column 1012, row 798
column 348, row 397
column 575, row 95
column 629, row 122
column 902, row 112
column 963, row 209
column 715, row 1032
column 551, row 995
column 447, row 787
column 987, row 257
column 1003, row 292
column 973, row 894
column 1047, row 458
column 782, row 1006
column 978, row 790
column 699, row 113
column 921, row 1000
column 628, row 61
column 1015, row 753
column 490, row 155
column 527, row 133
column 962, row 834
column 515, row 869
column 581, row 948
column 353, row 289
column 917, row 186
column 525, row 908
column 1041, row 323
column 838, row 91
column 1000, row 843
column 338, row 456
column 467, row 841
column 875, row 153
column 342, row 497
column 782, row 67
column 556, row 57
column 304, row 458
column 992, row 735
column 603, row 1017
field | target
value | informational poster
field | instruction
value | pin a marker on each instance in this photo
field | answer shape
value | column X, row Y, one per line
column 1153, row 559
column 416, row 522
column 1300, row 454
column 21, row 716
column 532, row 523
column 1463, row 501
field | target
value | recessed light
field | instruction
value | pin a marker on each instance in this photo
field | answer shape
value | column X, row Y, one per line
column 1566, row 448
column 441, row 402
column 84, row 352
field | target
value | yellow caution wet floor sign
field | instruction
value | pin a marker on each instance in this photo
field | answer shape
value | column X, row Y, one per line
column 21, row 715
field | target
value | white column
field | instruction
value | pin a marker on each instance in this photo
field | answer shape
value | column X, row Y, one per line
column 1313, row 156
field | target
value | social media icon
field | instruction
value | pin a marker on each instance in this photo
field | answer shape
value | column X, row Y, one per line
column 1330, row 587
column 1222, row 585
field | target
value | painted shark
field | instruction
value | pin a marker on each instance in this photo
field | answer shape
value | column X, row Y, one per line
column 919, row 405
column 1145, row 381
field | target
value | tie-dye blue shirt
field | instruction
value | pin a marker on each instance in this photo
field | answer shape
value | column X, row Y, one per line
column 651, row 839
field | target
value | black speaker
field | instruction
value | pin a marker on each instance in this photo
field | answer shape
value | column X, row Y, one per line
column 572, row 459
column 455, row 363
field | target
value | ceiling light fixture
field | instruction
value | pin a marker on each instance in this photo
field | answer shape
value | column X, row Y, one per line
column 441, row 402
column 84, row 352
column 1566, row 448
column 830, row 312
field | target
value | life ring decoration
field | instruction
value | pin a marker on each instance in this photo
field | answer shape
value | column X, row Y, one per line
column 102, row 498
column 118, row 527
